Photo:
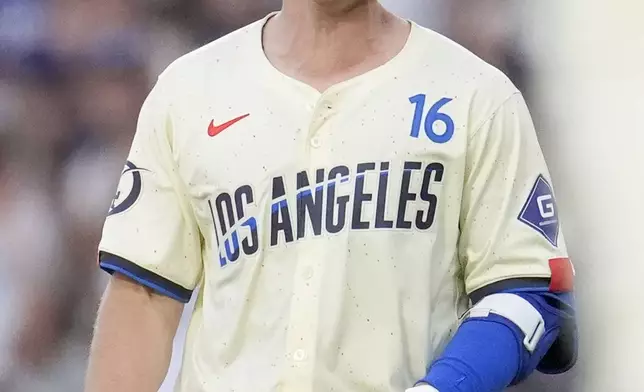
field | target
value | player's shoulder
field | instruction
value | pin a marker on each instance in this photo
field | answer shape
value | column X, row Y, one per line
column 454, row 65
column 224, row 54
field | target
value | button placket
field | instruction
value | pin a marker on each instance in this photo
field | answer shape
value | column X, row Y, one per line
column 303, row 324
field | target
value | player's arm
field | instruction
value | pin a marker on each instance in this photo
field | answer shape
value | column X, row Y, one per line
column 504, row 338
column 151, row 244
column 132, row 343
column 516, row 268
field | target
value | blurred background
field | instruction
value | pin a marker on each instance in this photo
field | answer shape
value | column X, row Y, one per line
column 74, row 73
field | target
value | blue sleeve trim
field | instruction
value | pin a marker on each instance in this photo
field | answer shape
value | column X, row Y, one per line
column 112, row 263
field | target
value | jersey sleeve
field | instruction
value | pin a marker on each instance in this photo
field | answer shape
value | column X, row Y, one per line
column 509, row 223
column 150, row 233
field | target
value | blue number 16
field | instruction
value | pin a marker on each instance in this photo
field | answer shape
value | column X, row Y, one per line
column 433, row 116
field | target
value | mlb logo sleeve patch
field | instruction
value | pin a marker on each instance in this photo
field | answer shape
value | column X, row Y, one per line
column 540, row 211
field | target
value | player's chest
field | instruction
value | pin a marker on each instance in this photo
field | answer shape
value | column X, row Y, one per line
column 253, row 139
column 280, row 172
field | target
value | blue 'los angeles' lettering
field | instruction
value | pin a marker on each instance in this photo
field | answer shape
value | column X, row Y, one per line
column 405, row 194
column 321, row 207
column 381, row 201
column 226, row 215
column 360, row 196
column 229, row 229
column 433, row 174
column 309, row 203
column 336, row 206
column 244, row 197
column 280, row 215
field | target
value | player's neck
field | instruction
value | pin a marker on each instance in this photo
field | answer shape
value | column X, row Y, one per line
column 309, row 24
column 319, row 14
column 314, row 40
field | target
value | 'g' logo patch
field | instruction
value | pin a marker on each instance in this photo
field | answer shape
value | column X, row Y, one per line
column 540, row 211
column 129, row 189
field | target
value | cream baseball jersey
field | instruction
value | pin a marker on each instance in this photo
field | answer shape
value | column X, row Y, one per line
column 334, row 236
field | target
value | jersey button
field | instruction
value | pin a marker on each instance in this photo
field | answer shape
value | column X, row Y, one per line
column 308, row 273
column 299, row 355
column 315, row 142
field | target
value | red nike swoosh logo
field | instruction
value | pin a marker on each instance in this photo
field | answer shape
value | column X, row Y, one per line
column 214, row 130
